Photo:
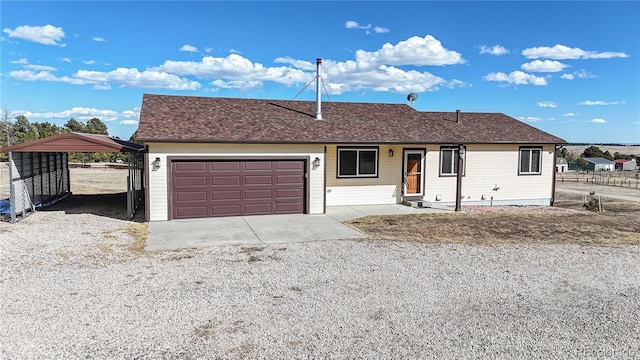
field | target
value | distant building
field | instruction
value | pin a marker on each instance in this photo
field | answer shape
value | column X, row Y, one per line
column 622, row 164
column 599, row 164
column 562, row 165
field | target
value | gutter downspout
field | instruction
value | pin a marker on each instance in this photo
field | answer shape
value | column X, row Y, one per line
column 318, row 92
column 461, row 156
column 553, row 184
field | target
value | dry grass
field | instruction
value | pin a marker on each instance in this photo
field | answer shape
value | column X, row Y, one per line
column 509, row 225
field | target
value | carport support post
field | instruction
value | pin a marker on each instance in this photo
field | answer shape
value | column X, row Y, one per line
column 12, row 191
column 459, row 170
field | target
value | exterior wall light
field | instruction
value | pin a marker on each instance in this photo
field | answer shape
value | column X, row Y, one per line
column 156, row 164
column 316, row 162
column 390, row 152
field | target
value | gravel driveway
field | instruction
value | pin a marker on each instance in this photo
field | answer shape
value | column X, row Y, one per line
column 71, row 287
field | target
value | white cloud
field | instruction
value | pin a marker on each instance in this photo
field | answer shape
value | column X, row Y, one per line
column 298, row 64
column 415, row 51
column 39, row 67
column 580, row 74
column 547, row 104
column 208, row 49
column 600, row 102
column 543, row 66
column 570, row 114
column 67, row 60
column 147, row 79
column 234, row 51
column 354, row 25
column 562, row 52
column 233, row 69
column 98, row 39
column 101, row 80
column 129, row 122
column 516, row 77
column 597, row 121
column 78, row 113
column 368, row 28
column 380, row 70
column 497, row 50
column 189, row 48
column 20, row 61
column 47, row 35
column 529, row 118
column 89, row 62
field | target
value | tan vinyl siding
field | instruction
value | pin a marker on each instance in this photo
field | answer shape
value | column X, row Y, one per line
column 490, row 167
column 384, row 189
column 487, row 167
column 158, row 180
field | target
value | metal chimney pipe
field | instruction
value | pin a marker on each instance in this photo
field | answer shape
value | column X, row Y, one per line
column 457, row 116
column 318, row 92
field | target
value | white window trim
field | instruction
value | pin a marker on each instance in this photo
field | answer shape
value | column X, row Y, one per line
column 530, row 150
column 357, row 150
column 453, row 167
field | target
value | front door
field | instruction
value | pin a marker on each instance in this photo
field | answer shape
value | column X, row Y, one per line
column 413, row 172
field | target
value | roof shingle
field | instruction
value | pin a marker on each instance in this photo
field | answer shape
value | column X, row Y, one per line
column 167, row 118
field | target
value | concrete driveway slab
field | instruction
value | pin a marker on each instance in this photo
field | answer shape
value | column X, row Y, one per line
column 268, row 229
column 299, row 227
column 176, row 234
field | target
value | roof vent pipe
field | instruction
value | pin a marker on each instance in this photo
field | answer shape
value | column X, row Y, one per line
column 457, row 116
column 318, row 92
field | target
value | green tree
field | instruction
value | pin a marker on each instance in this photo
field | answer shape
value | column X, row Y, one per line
column 607, row 155
column 134, row 137
column 47, row 129
column 75, row 126
column 96, row 126
column 23, row 130
column 593, row 151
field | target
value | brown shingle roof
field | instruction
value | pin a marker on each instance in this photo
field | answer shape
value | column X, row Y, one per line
column 209, row 119
column 75, row 142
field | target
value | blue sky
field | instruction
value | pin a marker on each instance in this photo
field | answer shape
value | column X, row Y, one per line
column 568, row 68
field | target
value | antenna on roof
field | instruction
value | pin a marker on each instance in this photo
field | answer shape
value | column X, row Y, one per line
column 412, row 97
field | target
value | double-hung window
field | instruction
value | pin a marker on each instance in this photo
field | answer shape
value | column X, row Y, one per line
column 449, row 161
column 357, row 162
column 530, row 161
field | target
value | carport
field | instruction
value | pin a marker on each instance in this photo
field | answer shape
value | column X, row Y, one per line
column 39, row 171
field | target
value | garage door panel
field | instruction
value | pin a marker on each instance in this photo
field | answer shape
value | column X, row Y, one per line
column 258, row 179
column 288, row 179
column 194, row 181
column 259, row 209
column 263, row 194
column 222, row 166
column 258, row 166
column 186, row 212
column 191, row 196
column 225, row 195
column 191, row 166
column 225, row 210
column 288, row 193
column 292, row 208
column 232, row 180
column 233, row 188
column 289, row 165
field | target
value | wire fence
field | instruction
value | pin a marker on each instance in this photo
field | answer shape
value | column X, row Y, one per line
column 603, row 180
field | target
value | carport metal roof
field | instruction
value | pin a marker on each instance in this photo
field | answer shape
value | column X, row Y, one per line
column 75, row 142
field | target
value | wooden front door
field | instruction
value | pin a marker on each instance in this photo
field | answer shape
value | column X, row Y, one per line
column 413, row 172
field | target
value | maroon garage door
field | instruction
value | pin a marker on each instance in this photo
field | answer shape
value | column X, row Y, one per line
column 233, row 188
